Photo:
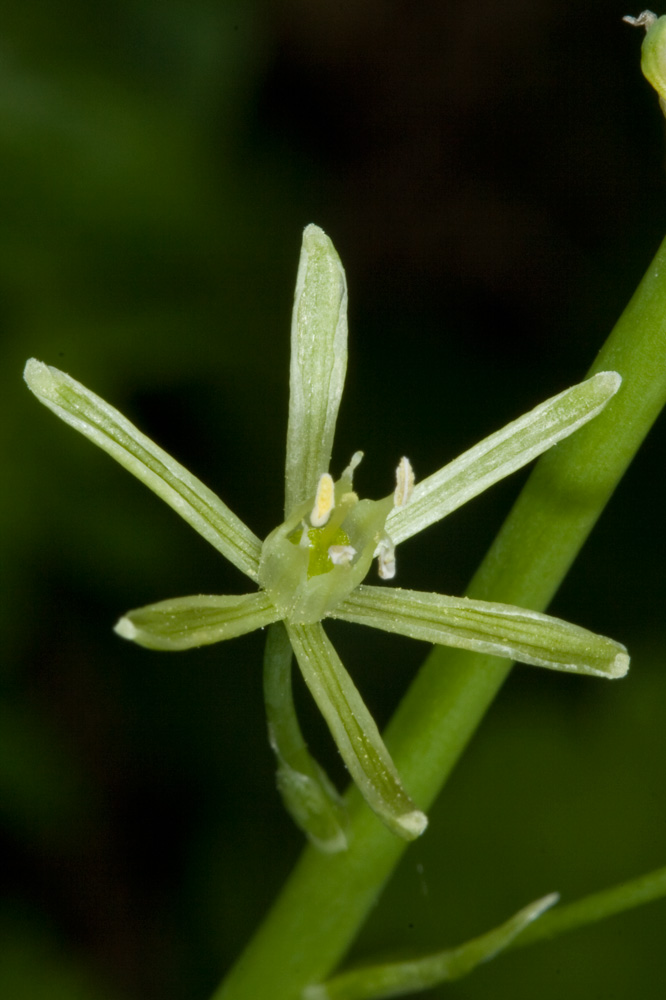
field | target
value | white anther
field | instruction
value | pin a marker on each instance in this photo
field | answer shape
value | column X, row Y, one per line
column 324, row 501
column 385, row 553
column 341, row 555
column 404, row 482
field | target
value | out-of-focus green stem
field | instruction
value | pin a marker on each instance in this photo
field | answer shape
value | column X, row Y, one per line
column 598, row 906
column 412, row 975
column 419, row 973
column 327, row 898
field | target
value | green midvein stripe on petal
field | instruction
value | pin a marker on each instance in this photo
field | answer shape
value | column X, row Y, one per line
column 318, row 365
column 497, row 629
column 502, row 453
column 187, row 495
column 187, row 622
column 354, row 731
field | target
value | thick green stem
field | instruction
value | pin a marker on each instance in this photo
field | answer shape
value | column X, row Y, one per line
column 327, row 898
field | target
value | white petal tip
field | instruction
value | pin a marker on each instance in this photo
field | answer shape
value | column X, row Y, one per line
column 125, row 628
column 313, row 230
column 613, row 380
column 620, row 665
column 332, row 845
column 540, row 906
column 35, row 372
column 413, row 823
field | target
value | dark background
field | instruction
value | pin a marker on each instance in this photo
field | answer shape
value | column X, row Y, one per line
column 493, row 178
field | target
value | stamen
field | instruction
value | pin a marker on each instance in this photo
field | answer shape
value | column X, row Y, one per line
column 324, row 501
column 385, row 553
column 348, row 473
column 404, row 482
column 341, row 555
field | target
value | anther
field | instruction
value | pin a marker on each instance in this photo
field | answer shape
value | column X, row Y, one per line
column 385, row 553
column 404, row 482
column 341, row 555
column 324, row 501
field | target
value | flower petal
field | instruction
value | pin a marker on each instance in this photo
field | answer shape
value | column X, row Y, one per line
column 355, row 732
column 318, row 365
column 392, row 979
column 107, row 428
column 497, row 629
column 186, row 622
column 501, row 454
column 308, row 795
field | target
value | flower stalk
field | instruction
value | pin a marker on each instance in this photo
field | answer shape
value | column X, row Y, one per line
column 312, row 567
column 447, row 701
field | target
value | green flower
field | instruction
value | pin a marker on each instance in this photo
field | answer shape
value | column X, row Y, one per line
column 312, row 566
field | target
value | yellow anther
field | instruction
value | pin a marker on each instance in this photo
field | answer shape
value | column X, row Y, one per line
column 324, row 501
column 404, row 482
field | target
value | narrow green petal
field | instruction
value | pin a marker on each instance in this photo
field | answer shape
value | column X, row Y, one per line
column 355, row 732
column 379, row 982
column 501, row 454
column 497, row 629
column 107, row 428
column 186, row 622
column 318, row 365
column 308, row 795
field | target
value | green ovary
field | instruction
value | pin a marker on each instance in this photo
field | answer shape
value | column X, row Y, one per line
column 321, row 539
column 298, row 574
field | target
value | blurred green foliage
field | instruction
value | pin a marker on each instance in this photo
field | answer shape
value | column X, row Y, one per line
column 493, row 179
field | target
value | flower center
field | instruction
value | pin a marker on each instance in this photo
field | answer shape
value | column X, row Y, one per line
column 326, row 550
column 320, row 554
